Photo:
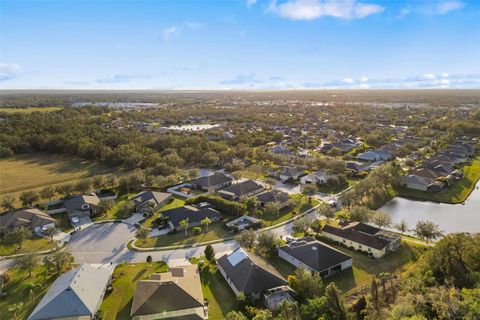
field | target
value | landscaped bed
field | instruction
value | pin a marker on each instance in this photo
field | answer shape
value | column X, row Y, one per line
column 118, row 303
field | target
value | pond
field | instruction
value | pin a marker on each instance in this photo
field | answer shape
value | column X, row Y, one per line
column 450, row 217
column 192, row 127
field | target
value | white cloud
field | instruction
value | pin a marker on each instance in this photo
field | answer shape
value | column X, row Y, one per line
column 447, row 6
column 8, row 71
column 315, row 9
column 348, row 81
column 429, row 76
column 194, row 25
column 251, row 3
column 363, row 79
column 170, row 32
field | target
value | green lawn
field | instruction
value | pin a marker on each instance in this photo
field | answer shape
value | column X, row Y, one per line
column 18, row 292
column 215, row 231
column 287, row 213
column 216, row 291
column 36, row 170
column 117, row 304
column 364, row 268
column 34, row 244
column 29, row 110
column 177, row 202
column 456, row 193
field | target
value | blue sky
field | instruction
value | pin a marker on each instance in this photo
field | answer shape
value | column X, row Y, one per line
column 239, row 44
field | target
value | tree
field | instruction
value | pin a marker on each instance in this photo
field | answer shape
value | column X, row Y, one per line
column 47, row 193
column 209, row 253
column 302, row 225
column 382, row 219
column 235, row 315
column 149, row 260
column 27, row 262
column 28, row 197
column 342, row 216
column 267, row 244
column 206, row 222
column 32, row 287
column 402, row 226
column 247, row 238
column 142, row 233
column 83, row 186
column 50, row 232
column 184, row 225
column 427, row 230
column 104, row 206
column 7, row 202
column 58, row 261
column 326, row 211
column 306, row 284
column 309, row 189
column 14, row 308
column 289, row 310
column 361, row 214
column 272, row 208
column 17, row 236
column 335, row 303
column 97, row 182
column 65, row 189
column 270, row 181
column 251, row 204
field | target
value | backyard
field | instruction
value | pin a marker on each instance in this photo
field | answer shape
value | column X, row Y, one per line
column 287, row 213
column 458, row 192
column 118, row 303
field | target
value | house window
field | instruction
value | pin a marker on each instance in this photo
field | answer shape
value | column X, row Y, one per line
column 369, row 249
column 360, row 246
column 84, row 206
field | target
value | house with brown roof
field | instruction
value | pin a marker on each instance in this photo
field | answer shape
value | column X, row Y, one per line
column 360, row 236
column 176, row 294
column 31, row 218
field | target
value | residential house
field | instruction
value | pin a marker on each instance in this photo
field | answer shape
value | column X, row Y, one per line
column 212, row 182
column 150, row 199
column 318, row 177
column 76, row 294
column 176, row 294
column 280, row 197
column 357, row 167
column 363, row 237
column 316, row 256
column 243, row 275
column 81, row 205
column 194, row 213
column 291, row 173
column 241, row 190
column 375, row 155
column 31, row 218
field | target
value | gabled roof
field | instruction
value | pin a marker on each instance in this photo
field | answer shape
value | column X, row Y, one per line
column 145, row 196
column 246, row 276
column 360, row 233
column 75, row 202
column 194, row 213
column 273, row 196
column 242, row 188
column 315, row 254
column 74, row 294
column 212, row 180
column 169, row 294
column 31, row 217
column 292, row 171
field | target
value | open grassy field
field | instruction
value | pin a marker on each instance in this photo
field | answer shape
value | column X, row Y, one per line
column 364, row 268
column 33, row 171
column 18, row 291
column 35, row 244
column 29, row 110
column 117, row 304
column 456, row 193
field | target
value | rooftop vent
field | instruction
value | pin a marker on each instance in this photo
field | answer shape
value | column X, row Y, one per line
column 314, row 248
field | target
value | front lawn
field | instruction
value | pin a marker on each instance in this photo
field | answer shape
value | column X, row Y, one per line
column 287, row 213
column 176, row 203
column 458, row 192
column 18, row 291
column 35, row 244
column 118, row 303
column 215, row 231
column 216, row 291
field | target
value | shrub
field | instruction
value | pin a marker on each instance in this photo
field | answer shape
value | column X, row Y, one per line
column 197, row 230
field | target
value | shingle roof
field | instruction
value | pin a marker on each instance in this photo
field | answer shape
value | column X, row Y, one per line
column 75, row 203
column 247, row 276
column 31, row 217
column 170, row 292
column 145, row 196
column 75, row 293
column 315, row 254
column 243, row 188
column 212, row 180
column 273, row 196
column 358, row 233
column 193, row 213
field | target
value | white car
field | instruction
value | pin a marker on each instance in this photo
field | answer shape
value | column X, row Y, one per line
column 75, row 219
column 290, row 239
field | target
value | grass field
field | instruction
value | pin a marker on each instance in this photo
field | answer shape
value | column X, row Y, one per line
column 35, row 244
column 34, row 171
column 287, row 213
column 456, row 193
column 364, row 268
column 29, row 110
column 118, row 303
column 18, row 291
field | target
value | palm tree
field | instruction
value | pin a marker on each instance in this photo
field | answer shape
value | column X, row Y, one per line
column 206, row 222
column 184, row 224
column 14, row 308
column 32, row 287
column 51, row 232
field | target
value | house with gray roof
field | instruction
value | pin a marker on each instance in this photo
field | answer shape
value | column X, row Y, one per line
column 316, row 256
column 31, row 218
column 147, row 199
column 76, row 294
column 241, row 190
column 280, row 197
column 194, row 213
column 212, row 182
column 82, row 205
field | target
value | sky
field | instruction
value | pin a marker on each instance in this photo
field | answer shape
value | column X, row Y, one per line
column 239, row 44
